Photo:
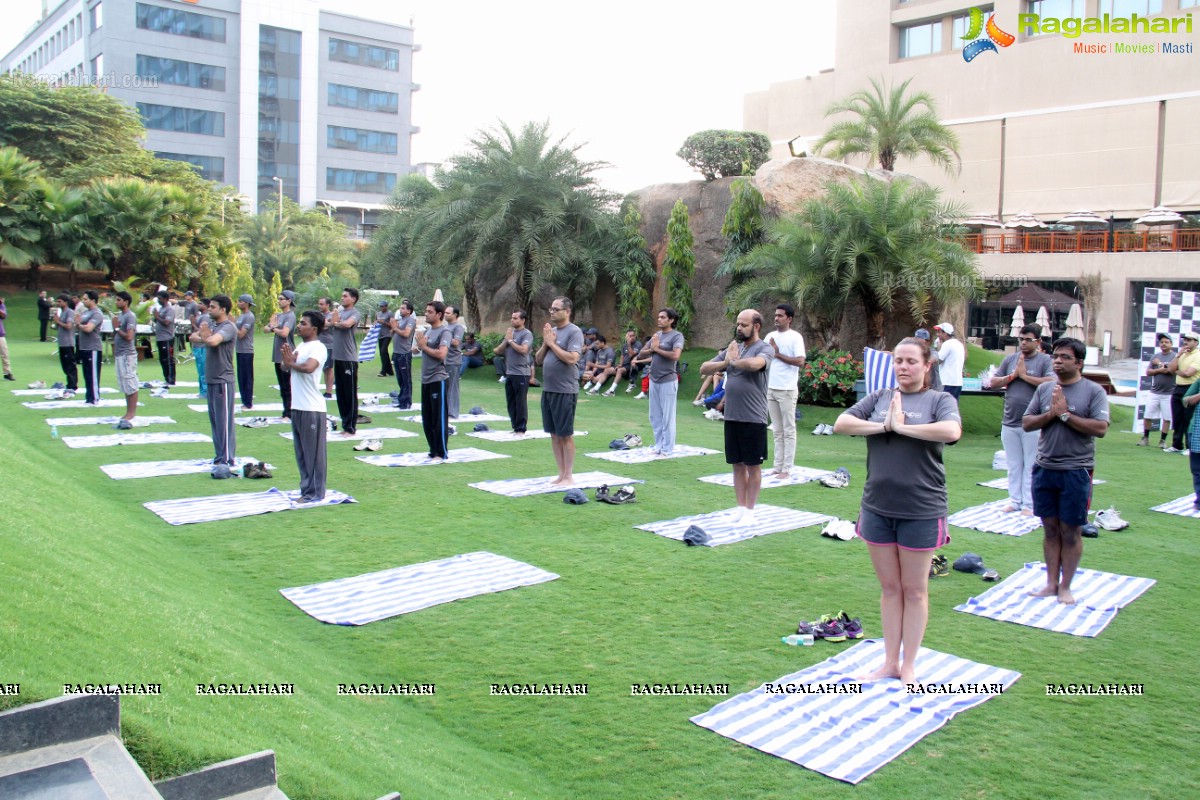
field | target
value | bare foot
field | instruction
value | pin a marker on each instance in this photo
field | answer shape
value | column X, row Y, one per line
column 908, row 675
column 1008, row 509
column 882, row 674
column 437, row 460
column 1065, row 597
column 1027, row 512
column 1045, row 591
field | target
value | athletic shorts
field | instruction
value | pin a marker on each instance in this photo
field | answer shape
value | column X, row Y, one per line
column 127, row 379
column 558, row 413
column 1158, row 407
column 908, row 534
column 1062, row 493
column 745, row 443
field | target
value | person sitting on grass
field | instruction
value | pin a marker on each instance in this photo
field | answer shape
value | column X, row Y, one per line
column 472, row 354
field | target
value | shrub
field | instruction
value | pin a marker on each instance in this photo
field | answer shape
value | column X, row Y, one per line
column 827, row 379
column 725, row 153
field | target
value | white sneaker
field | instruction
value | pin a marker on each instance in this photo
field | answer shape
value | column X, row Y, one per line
column 594, row 390
column 714, row 414
column 1110, row 520
column 820, row 429
column 828, row 430
column 503, row 378
column 609, row 393
column 629, row 388
column 697, row 403
column 640, row 396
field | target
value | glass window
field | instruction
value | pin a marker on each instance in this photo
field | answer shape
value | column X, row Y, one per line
column 181, row 73
column 1127, row 8
column 98, row 65
column 364, row 54
column 96, row 16
column 178, row 22
column 1058, row 8
column 361, row 140
column 364, row 99
column 1188, row 3
column 212, row 168
column 920, row 40
column 182, row 120
column 355, row 180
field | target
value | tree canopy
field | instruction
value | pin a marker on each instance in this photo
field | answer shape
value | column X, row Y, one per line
column 722, row 154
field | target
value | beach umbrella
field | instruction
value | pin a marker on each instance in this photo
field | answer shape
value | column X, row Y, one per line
column 1075, row 323
column 1083, row 217
column 1043, row 319
column 981, row 221
column 437, row 295
column 1023, row 219
column 1159, row 215
column 1018, row 322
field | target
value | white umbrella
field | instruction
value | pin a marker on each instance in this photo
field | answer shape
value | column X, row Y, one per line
column 1018, row 322
column 1083, row 217
column 1159, row 215
column 1023, row 219
column 1043, row 319
column 981, row 221
column 437, row 295
column 1074, row 323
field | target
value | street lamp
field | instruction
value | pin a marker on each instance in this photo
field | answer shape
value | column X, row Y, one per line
column 225, row 199
column 279, row 181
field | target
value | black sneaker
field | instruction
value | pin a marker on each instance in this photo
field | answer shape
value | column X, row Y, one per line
column 851, row 625
column 830, row 629
column 940, row 567
column 601, row 492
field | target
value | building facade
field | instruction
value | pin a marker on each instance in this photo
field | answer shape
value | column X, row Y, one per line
column 269, row 96
column 1051, row 118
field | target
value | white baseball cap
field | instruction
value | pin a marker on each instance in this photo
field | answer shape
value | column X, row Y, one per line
column 945, row 327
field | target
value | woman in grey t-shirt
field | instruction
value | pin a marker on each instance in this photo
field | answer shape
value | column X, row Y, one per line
column 904, row 509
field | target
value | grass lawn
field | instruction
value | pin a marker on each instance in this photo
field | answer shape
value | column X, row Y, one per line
column 96, row 589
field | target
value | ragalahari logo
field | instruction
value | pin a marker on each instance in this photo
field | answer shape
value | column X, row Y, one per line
column 995, row 36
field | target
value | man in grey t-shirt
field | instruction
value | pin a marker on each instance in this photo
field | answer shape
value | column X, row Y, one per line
column 745, row 366
column 562, row 347
column 383, row 318
column 64, row 320
column 163, row 315
column 125, row 357
column 219, row 335
column 453, row 359
column 283, row 326
column 434, row 345
column 325, row 306
column 664, row 348
column 1019, row 375
column 244, row 350
column 403, row 326
column 344, row 320
column 1070, row 414
column 87, row 325
column 516, row 350
column 1162, row 386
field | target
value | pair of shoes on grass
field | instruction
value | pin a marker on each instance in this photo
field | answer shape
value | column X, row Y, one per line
column 833, row 627
column 256, row 469
column 626, row 494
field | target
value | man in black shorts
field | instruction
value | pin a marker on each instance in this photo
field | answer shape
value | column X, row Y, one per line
column 745, row 367
column 1070, row 413
column 562, row 346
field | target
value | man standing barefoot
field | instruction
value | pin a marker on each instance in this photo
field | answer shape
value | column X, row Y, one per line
column 303, row 366
column 562, row 346
column 125, row 357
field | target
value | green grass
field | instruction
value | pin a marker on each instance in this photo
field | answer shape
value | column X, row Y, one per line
column 95, row 588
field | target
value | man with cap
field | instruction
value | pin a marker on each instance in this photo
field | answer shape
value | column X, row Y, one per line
column 345, row 319
column 562, row 347
column 453, row 359
column 244, row 350
column 1019, row 375
column 383, row 318
column 403, row 327
column 664, row 349
column 163, row 315
column 219, row 335
column 951, row 357
column 1186, row 368
column 745, row 364
column 303, row 366
column 283, row 325
column 516, row 350
column 935, row 377
column 1070, row 413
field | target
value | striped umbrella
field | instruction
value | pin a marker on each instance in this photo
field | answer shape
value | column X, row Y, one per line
column 1083, row 217
column 1075, row 323
column 981, row 221
column 1043, row 319
column 1159, row 215
column 1024, row 219
column 1018, row 322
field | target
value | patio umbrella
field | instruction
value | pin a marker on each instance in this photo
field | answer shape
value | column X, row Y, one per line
column 1018, row 322
column 981, row 221
column 437, row 295
column 1083, row 217
column 1043, row 319
column 1074, row 323
column 1159, row 215
column 1023, row 219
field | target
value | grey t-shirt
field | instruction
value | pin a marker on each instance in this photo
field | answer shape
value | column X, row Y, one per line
column 434, row 369
column 90, row 341
column 403, row 344
column 746, row 390
column 325, row 337
column 218, row 366
column 66, row 336
column 514, row 362
column 604, row 357
column 454, row 354
column 663, row 369
column 190, row 309
column 1061, row 446
column 344, row 346
column 1164, row 383
column 384, row 318
column 164, row 323
column 557, row 375
column 629, row 353
column 122, row 346
column 1019, row 393
column 245, row 322
column 906, row 478
column 285, row 319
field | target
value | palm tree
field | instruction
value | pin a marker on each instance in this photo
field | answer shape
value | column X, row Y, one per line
column 878, row 242
column 21, row 224
column 891, row 124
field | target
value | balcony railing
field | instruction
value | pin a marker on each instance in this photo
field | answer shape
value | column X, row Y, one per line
column 1151, row 241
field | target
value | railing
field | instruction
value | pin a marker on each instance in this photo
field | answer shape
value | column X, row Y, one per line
column 1150, row 241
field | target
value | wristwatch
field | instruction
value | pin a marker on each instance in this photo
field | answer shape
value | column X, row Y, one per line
column 1066, row 415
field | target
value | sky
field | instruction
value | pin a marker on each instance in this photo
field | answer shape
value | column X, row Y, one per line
column 627, row 80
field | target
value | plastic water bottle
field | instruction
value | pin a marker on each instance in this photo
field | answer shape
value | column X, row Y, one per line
column 53, row 431
column 805, row 639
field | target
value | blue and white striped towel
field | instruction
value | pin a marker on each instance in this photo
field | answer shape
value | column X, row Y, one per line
column 1098, row 597
column 203, row 407
column 990, row 518
column 364, row 434
column 115, row 439
column 372, row 408
column 1002, row 483
column 1182, row 507
column 138, row 422
column 46, row 405
column 524, row 487
column 510, row 436
column 161, row 469
column 877, row 370
column 797, row 476
column 644, row 455
column 231, row 506
column 850, row 735
column 44, row 392
column 173, row 395
column 459, row 456
column 370, row 343
column 722, row 529
column 379, row 595
column 461, row 419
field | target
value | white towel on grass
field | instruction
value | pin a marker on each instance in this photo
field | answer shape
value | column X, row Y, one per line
column 117, row 439
column 461, row 419
column 368, row 408
column 203, row 408
column 990, row 518
column 138, row 422
column 47, row 405
column 524, row 487
column 363, row 434
column 189, row 510
column 175, row 395
column 1182, row 507
column 1098, row 598
column 459, row 456
column 1002, row 483
column 510, row 436
column 162, row 469
column 245, row 421
column 849, row 735
column 644, row 455
column 797, row 476
column 391, row 592
column 48, row 390
column 723, row 529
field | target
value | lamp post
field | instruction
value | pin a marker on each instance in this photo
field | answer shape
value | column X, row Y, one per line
column 225, row 199
column 279, row 181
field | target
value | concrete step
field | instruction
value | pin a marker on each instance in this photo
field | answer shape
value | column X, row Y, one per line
column 250, row 777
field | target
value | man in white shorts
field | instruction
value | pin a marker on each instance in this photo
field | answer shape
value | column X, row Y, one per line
column 1162, row 386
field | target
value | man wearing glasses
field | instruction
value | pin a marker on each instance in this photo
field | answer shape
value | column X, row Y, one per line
column 1019, row 375
column 562, row 344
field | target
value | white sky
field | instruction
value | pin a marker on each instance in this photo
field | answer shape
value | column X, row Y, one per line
column 631, row 79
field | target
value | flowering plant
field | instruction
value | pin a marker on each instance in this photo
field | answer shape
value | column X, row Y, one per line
column 828, row 378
